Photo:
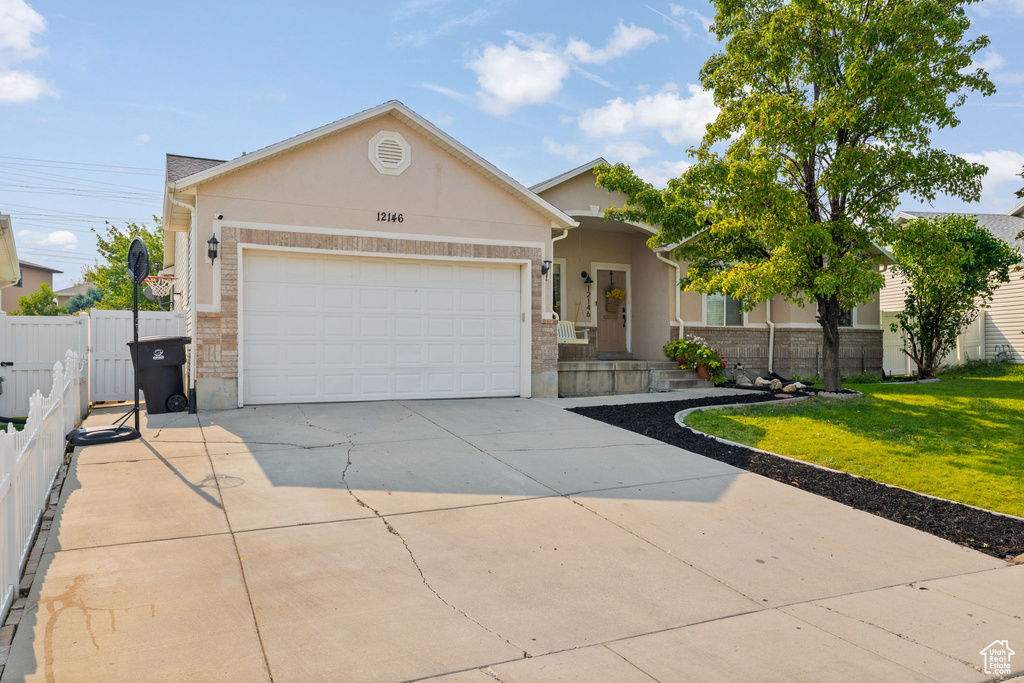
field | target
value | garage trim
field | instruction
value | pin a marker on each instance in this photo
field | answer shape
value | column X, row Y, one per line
column 525, row 297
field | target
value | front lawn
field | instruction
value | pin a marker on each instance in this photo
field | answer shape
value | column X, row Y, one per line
column 961, row 438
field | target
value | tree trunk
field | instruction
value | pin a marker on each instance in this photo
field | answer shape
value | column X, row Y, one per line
column 828, row 318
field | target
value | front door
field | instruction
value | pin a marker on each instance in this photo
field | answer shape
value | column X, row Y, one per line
column 611, row 312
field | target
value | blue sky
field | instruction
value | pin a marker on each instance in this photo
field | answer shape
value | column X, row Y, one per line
column 107, row 88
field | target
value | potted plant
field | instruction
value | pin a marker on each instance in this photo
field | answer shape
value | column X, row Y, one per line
column 693, row 353
column 613, row 295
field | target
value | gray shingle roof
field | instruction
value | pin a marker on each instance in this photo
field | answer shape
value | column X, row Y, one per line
column 1002, row 226
column 179, row 167
column 75, row 289
column 48, row 269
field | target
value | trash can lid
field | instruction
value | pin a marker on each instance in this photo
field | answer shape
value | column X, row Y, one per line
column 170, row 339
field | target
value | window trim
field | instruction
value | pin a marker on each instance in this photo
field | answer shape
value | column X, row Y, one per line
column 704, row 313
column 561, row 263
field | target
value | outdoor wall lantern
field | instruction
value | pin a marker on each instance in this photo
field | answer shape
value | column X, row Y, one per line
column 587, row 280
column 211, row 248
column 545, row 268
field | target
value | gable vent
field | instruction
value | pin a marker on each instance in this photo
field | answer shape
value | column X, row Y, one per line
column 389, row 152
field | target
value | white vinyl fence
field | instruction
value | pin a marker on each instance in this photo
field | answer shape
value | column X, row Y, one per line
column 110, row 364
column 29, row 346
column 29, row 461
column 969, row 345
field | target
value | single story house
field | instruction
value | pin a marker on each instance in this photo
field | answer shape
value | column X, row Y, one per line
column 601, row 254
column 378, row 258
column 32, row 277
column 65, row 295
column 999, row 329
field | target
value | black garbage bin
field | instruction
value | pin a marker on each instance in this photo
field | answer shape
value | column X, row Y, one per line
column 159, row 362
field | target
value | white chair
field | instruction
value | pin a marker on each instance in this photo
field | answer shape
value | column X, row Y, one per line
column 568, row 334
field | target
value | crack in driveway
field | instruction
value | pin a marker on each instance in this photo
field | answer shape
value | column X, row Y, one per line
column 394, row 532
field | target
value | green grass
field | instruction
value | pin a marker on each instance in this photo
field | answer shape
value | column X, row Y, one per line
column 961, row 438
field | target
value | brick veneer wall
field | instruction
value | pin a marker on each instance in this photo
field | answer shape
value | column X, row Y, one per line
column 217, row 341
column 580, row 352
column 796, row 349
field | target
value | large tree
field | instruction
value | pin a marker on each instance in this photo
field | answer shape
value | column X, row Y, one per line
column 111, row 277
column 826, row 114
column 952, row 267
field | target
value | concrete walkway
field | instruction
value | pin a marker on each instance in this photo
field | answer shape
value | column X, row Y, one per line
column 481, row 540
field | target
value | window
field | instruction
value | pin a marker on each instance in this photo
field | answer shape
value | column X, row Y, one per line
column 18, row 283
column 723, row 310
column 558, row 286
column 846, row 317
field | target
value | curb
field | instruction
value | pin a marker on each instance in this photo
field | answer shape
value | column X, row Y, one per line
column 680, row 418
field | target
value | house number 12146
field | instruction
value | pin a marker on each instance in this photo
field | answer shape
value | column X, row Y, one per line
column 388, row 217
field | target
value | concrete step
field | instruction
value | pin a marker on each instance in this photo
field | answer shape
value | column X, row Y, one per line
column 614, row 355
column 672, row 373
column 674, row 384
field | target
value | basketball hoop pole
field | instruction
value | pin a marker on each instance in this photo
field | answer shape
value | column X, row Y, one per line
column 135, row 349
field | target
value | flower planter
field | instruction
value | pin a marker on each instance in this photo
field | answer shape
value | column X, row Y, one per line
column 703, row 372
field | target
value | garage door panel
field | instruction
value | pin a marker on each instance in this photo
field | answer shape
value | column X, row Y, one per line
column 344, row 328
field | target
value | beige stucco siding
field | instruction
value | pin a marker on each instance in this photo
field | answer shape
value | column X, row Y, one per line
column 332, row 184
column 580, row 193
column 31, row 280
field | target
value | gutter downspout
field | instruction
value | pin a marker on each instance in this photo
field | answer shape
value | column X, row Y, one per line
column 193, row 293
column 771, row 336
column 679, row 293
column 565, row 233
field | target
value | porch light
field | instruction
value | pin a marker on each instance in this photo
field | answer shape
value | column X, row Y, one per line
column 587, row 280
column 545, row 268
column 211, row 248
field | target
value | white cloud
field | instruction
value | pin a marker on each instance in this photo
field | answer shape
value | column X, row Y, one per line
column 531, row 68
column 447, row 92
column 680, row 11
column 678, row 119
column 1003, row 177
column 440, row 119
column 511, row 77
column 627, row 151
column 624, row 39
column 19, row 24
column 568, row 152
column 660, row 173
column 450, row 24
column 993, row 62
column 58, row 239
column 142, row 139
column 17, row 87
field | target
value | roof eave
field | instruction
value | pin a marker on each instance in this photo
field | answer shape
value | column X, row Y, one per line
column 10, row 269
column 412, row 118
column 568, row 175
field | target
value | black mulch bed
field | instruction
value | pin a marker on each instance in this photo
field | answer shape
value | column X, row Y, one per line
column 993, row 534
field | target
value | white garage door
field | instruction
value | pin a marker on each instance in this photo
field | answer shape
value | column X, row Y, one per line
column 354, row 328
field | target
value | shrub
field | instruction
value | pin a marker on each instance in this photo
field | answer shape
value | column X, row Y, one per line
column 691, row 351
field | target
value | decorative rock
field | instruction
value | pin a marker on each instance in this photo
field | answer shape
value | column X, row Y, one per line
column 1019, row 559
column 795, row 386
column 743, row 380
column 841, row 395
column 761, row 382
column 775, row 384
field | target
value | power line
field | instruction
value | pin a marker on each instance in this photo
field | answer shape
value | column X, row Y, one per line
column 58, row 212
column 81, row 163
column 41, row 175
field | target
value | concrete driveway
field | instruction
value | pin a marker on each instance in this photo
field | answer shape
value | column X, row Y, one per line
column 475, row 540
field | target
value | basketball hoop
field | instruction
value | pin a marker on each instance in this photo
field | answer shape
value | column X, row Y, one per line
column 160, row 285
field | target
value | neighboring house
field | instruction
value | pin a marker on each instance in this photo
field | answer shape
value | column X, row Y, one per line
column 1000, row 327
column 10, row 270
column 372, row 258
column 33, row 276
column 65, row 295
column 775, row 335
